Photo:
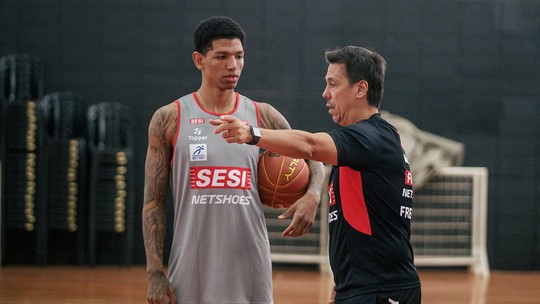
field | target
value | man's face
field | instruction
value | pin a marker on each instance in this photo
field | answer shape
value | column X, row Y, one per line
column 223, row 63
column 339, row 94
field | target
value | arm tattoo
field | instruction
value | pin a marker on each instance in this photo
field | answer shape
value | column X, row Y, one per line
column 160, row 135
column 271, row 118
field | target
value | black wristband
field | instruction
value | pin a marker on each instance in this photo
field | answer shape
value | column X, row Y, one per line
column 255, row 134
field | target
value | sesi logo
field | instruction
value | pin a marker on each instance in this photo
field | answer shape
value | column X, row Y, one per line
column 196, row 120
column 220, row 177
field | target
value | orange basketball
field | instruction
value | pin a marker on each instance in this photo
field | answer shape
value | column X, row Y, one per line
column 282, row 180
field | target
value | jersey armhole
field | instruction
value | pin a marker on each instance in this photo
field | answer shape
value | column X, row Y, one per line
column 257, row 113
column 177, row 131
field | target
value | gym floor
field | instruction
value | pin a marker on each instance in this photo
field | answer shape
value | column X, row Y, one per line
column 292, row 285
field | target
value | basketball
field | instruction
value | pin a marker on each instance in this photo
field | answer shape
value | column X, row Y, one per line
column 282, row 180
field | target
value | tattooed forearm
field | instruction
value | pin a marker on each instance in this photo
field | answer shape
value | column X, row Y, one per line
column 160, row 135
column 154, row 234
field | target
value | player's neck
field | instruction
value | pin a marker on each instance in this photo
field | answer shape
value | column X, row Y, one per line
column 217, row 101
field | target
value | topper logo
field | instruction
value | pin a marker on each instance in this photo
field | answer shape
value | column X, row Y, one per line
column 220, row 177
column 292, row 167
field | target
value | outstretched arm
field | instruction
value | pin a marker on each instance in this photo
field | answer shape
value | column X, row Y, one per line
column 305, row 209
column 293, row 143
column 156, row 177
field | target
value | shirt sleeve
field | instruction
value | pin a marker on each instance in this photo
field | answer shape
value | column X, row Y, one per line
column 357, row 145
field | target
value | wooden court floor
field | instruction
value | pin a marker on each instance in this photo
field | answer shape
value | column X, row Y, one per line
column 292, row 285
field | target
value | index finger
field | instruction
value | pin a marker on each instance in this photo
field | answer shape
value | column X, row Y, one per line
column 228, row 118
column 217, row 122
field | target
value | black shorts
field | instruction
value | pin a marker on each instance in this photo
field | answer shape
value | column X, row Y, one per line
column 406, row 296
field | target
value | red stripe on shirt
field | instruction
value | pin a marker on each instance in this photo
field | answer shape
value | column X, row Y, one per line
column 352, row 200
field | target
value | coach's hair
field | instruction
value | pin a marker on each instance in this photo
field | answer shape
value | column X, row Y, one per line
column 362, row 64
column 216, row 27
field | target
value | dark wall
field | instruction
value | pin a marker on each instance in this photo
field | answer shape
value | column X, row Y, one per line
column 466, row 70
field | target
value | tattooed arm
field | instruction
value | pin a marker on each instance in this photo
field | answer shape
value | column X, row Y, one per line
column 156, row 178
column 305, row 209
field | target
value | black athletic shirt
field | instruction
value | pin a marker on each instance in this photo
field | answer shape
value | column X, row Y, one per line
column 370, row 211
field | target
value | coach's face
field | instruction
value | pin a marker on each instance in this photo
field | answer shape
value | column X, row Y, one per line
column 341, row 96
column 223, row 63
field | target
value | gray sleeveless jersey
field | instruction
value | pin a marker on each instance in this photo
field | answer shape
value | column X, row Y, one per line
column 220, row 251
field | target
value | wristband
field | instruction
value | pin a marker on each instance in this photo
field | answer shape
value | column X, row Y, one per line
column 256, row 134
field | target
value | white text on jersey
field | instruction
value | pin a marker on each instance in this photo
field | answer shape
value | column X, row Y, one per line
column 220, row 177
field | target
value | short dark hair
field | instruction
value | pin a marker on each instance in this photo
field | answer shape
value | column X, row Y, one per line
column 362, row 64
column 213, row 28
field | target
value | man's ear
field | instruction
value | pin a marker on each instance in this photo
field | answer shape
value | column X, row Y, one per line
column 362, row 88
column 198, row 59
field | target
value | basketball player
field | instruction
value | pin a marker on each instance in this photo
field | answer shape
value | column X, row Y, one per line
column 220, row 249
column 370, row 184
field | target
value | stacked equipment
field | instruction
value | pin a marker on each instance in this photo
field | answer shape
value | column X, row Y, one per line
column 66, row 177
column 111, row 183
column 64, row 125
column 24, row 207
